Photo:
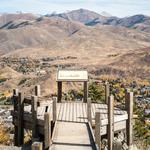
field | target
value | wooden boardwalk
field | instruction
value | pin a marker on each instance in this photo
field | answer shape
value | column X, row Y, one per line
column 67, row 125
column 77, row 112
column 67, row 136
column 70, row 125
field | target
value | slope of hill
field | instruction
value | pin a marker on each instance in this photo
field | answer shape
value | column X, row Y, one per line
column 134, row 64
column 56, row 40
column 139, row 22
column 47, row 33
column 56, row 33
column 8, row 18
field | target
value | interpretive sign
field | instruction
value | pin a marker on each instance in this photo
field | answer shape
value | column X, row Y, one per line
column 72, row 75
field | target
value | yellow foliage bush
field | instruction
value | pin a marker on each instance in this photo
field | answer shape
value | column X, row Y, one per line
column 4, row 136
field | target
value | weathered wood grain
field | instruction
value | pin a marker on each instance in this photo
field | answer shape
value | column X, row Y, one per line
column 110, row 122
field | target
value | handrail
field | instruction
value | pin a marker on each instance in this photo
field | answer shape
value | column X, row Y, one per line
column 93, row 137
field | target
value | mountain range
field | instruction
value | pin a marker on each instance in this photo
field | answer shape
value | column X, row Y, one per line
column 89, row 18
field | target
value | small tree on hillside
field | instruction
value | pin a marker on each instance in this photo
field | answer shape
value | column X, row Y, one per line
column 96, row 92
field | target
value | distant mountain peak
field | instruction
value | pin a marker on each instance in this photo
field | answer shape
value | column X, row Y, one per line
column 106, row 14
column 80, row 15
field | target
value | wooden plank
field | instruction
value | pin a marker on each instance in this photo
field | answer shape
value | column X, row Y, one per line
column 34, row 118
column 129, row 123
column 77, row 113
column 76, row 138
column 70, row 112
column 61, row 111
column 74, row 112
column 118, row 126
column 37, row 90
column 47, row 130
column 54, row 109
column 59, row 91
column 49, row 109
column 15, row 103
column 27, row 117
column 43, row 110
column 58, row 110
column 15, row 92
column 82, row 115
column 93, row 111
column 110, row 122
column 80, row 112
column 107, row 92
column 28, row 125
column 84, row 112
column 27, row 100
column 97, row 129
column 64, row 112
column 85, row 92
column 27, row 108
column 20, row 119
column 40, row 111
column 89, row 115
column 117, row 118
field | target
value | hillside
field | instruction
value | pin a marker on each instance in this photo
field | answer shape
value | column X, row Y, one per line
column 134, row 64
column 60, row 34
column 7, row 18
column 112, row 46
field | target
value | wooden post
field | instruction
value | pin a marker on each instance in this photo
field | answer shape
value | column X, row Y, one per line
column 20, row 118
column 129, row 122
column 54, row 109
column 107, row 92
column 110, row 122
column 85, row 92
column 34, row 100
column 37, row 90
column 59, row 90
column 15, row 92
column 98, row 129
column 15, row 103
column 15, row 98
column 37, row 146
column 47, row 130
column 89, row 113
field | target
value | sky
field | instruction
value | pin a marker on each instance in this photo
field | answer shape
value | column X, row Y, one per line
column 120, row 8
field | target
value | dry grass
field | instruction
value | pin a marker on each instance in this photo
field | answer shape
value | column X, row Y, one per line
column 4, row 136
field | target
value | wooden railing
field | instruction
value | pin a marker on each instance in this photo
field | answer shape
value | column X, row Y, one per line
column 50, row 119
column 111, row 122
column 18, row 118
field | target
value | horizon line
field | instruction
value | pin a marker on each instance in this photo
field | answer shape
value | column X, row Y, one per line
column 67, row 11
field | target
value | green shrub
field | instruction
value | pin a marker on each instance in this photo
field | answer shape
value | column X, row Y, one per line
column 96, row 92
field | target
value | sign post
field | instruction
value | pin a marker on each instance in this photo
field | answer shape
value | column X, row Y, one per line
column 72, row 76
